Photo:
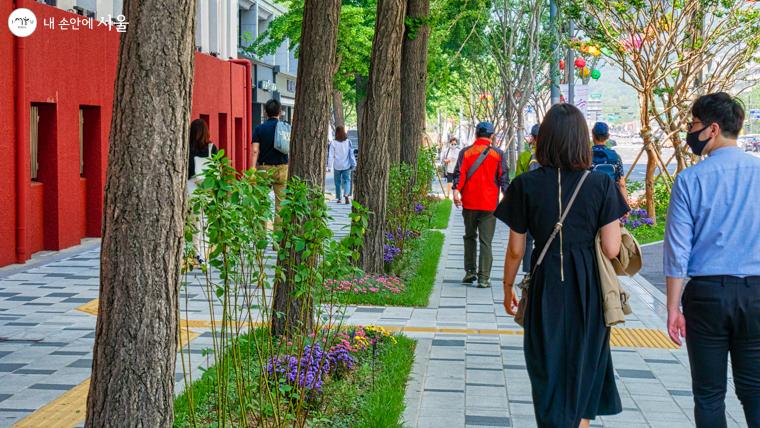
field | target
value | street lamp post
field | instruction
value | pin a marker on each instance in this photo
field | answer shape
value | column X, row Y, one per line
column 554, row 65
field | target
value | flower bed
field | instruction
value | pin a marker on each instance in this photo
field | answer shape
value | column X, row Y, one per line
column 356, row 377
column 368, row 284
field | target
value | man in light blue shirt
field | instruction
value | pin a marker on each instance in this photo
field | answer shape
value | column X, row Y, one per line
column 713, row 237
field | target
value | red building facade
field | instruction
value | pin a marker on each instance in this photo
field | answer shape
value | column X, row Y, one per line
column 56, row 98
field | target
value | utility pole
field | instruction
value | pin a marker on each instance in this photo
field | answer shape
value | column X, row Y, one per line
column 554, row 65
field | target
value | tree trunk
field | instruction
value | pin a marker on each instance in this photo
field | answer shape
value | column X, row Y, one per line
column 319, row 32
column 338, row 115
column 372, row 172
column 143, row 219
column 414, row 80
column 361, row 104
column 646, row 136
column 395, row 125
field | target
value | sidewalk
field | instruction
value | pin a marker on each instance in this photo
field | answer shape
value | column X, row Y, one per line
column 469, row 368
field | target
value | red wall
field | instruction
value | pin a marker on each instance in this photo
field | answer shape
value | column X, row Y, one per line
column 66, row 71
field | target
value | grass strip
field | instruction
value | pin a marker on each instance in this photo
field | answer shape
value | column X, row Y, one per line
column 441, row 212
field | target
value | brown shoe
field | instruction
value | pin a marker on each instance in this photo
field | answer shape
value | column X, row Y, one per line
column 347, row 201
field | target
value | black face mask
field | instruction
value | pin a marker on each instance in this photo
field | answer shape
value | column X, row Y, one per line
column 696, row 145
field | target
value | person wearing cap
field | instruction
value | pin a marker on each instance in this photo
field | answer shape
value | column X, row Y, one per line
column 605, row 159
column 527, row 159
column 712, row 235
column 481, row 173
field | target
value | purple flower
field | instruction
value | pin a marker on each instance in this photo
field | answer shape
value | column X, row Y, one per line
column 635, row 224
column 419, row 208
column 648, row 221
column 311, row 370
column 390, row 252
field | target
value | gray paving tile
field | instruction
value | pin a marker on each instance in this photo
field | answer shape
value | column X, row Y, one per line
column 636, row 374
column 9, row 367
column 489, row 421
column 52, row 386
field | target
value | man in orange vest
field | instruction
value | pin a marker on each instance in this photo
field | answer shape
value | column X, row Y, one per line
column 480, row 174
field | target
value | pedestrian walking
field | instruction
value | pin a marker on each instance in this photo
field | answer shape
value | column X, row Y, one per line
column 199, row 152
column 268, row 157
column 525, row 163
column 449, row 160
column 712, row 235
column 605, row 159
column 341, row 159
column 480, row 175
column 566, row 342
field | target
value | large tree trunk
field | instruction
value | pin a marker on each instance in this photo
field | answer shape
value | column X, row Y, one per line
column 361, row 103
column 143, row 221
column 372, row 172
column 414, row 80
column 338, row 115
column 319, row 35
column 394, row 128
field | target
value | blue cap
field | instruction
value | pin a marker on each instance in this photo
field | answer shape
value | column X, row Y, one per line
column 485, row 128
column 601, row 129
column 534, row 130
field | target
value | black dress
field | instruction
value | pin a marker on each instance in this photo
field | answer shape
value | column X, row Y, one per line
column 566, row 342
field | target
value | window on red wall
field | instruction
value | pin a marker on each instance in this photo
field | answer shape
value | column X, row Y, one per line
column 34, row 140
column 223, row 142
column 81, row 142
column 206, row 119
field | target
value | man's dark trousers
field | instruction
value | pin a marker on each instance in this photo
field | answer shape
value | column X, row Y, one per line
column 723, row 316
column 478, row 226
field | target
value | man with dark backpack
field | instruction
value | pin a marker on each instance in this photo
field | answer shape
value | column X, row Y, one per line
column 271, row 143
column 480, row 174
column 605, row 159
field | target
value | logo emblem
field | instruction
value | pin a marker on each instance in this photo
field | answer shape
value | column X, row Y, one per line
column 22, row 22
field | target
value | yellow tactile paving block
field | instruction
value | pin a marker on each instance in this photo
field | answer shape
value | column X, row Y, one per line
column 69, row 409
column 620, row 337
column 90, row 307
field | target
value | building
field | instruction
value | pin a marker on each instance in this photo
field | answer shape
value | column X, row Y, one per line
column 225, row 29
column 56, row 93
column 274, row 76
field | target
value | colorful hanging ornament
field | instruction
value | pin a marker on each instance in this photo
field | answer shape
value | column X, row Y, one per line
column 584, row 72
column 596, row 74
column 562, row 64
column 594, row 51
column 580, row 62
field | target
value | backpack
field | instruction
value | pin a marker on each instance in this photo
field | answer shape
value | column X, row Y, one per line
column 282, row 137
column 604, row 163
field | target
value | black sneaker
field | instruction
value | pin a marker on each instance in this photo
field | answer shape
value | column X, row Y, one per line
column 469, row 278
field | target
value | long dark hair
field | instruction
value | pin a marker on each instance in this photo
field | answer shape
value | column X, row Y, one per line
column 340, row 133
column 563, row 140
column 199, row 136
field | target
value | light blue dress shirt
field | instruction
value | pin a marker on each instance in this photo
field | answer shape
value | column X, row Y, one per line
column 713, row 225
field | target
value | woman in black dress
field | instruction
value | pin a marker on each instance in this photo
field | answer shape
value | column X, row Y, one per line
column 566, row 342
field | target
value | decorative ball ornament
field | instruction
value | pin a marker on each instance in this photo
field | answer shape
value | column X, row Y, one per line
column 562, row 64
column 596, row 74
column 594, row 51
column 585, row 72
column 580, row 62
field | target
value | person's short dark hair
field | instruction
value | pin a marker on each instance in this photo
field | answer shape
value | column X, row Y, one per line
column 720, row 108
column 273, row 108
column 601, row 131
column 340, row 133
column 454, row 139
column 563, row 139
column 534, row 130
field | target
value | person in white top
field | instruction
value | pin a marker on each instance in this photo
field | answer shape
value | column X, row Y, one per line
column 449, row 158
column 341, row 159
